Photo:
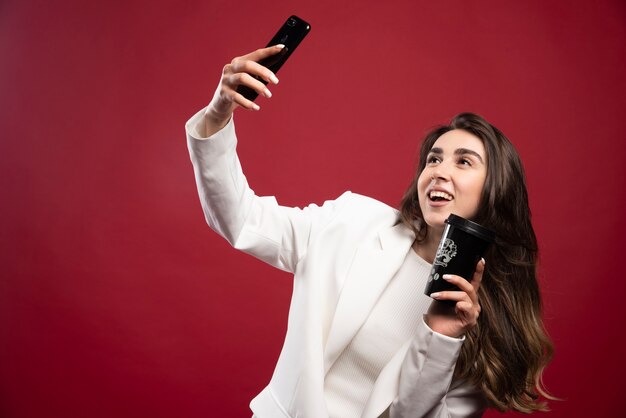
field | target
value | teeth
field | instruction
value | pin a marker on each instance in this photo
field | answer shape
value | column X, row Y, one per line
column 442, row 195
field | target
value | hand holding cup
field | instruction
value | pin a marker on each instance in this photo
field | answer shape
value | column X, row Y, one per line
column 456, row 318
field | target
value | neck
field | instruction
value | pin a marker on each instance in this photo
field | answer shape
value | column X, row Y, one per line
column 427, row 249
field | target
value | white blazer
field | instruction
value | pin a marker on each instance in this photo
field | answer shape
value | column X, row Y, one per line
column 342, row 255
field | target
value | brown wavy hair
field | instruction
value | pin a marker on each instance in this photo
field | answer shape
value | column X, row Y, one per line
column 505, row 354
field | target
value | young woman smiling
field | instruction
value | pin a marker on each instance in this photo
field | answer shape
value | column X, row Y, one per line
column 363, row 340
column 505, row 353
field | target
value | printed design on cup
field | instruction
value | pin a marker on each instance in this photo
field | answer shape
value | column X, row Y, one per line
column 445, row 253
column 433, row 275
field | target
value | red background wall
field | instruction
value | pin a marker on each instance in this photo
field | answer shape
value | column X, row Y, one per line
column 117, row 300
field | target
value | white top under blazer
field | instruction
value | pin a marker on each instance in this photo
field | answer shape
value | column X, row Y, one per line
column 397, row 312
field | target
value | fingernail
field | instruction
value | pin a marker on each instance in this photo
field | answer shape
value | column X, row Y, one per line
column 255, row 106
column 280, row 46
column 434, row 295
column 267, row 93
column 446, row 276
column 273, row 79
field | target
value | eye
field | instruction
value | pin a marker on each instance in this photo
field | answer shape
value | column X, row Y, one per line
column 465, row 161
column 432, row 159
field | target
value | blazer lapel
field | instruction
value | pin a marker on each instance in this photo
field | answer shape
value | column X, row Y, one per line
column 371, row 270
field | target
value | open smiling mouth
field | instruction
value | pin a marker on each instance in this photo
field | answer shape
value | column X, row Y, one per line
column 437, row 196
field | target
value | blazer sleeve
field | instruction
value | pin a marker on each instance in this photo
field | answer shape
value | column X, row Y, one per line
column 426, row 388
column 257, row 225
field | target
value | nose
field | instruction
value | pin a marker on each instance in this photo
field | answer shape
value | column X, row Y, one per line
column 441, row 172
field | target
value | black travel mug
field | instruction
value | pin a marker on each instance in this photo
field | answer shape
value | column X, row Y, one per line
column 462, row 244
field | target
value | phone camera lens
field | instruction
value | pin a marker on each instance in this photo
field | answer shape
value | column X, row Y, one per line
column 291, row 22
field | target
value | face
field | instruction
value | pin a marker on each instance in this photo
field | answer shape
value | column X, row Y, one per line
column 453, row 178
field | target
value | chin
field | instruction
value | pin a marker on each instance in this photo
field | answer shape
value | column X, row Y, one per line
column 436, row 221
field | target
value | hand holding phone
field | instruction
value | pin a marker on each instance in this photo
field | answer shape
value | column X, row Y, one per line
column 291, row 33
column 246, row 76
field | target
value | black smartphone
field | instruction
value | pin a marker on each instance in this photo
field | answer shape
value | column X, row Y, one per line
column 290, row 34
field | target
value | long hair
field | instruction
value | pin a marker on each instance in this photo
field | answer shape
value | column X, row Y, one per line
column 505, row 354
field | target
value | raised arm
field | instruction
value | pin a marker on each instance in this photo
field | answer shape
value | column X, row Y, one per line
column 257, row 225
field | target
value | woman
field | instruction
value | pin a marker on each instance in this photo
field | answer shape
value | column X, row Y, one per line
column 363, row 340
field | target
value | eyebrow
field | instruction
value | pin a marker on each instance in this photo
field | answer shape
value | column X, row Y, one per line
column 458, row 151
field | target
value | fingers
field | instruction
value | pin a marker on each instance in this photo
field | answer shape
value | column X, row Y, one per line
column 241, row 71
column 241, row 65
column 471, row 288
column 245, row 103
column 249, row 63
column 466, row 306
column 477, row 278
column 244, row 79
column 227, row 95
column 453, row 295
column 245, row 71
column 467, row 295
column 465, row 286
column 261, row 53
column 467, row 309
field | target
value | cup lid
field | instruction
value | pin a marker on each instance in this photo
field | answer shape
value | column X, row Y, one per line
column 471, row 227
